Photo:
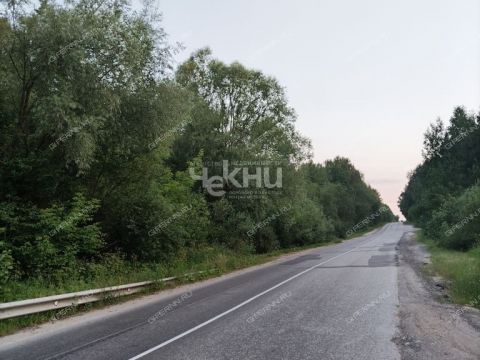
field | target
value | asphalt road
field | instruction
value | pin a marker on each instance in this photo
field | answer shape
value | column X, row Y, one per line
column 335, row 302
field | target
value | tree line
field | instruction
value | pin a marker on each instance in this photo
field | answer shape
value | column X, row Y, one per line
column 443, row 192
column 104, row 139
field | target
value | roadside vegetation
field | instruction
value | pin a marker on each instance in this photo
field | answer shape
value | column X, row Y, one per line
column 443, row 198
column 461, row 270
column 110, row 152
column 212, row 260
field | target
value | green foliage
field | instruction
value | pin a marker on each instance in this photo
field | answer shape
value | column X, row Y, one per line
column 47, row 242
column 230, row 226
column 6, row 268
column 456, row 224
column 247, row 105
column 97, row 135
column 442, row 195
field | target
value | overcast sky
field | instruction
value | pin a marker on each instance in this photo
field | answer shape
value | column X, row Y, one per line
column 365, row 77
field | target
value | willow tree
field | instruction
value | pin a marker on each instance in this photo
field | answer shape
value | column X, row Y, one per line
column 253, row 114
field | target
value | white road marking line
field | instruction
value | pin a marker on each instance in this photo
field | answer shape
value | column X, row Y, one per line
column 149, row 351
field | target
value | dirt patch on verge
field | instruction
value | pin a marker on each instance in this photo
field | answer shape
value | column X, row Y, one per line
column 430, row 327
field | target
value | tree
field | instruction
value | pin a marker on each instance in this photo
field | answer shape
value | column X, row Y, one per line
column 442, row 189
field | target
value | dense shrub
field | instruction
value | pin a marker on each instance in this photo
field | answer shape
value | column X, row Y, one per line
column 456, row 224
column 47, row 242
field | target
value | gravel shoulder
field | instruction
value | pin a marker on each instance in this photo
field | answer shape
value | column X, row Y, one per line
column 431, row 327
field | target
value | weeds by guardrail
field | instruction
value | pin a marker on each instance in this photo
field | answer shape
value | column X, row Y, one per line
column 33, row 306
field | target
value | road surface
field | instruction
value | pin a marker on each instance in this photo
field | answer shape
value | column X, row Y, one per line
column 335, row 302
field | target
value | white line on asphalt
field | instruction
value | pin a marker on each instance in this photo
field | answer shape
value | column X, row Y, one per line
column 149, row 351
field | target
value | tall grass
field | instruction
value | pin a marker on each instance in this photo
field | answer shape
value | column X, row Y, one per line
column 460, row 269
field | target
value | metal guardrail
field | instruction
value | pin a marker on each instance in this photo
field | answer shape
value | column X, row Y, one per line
column 33, row 306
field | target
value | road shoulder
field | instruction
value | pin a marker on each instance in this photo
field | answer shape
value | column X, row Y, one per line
column 430, row 327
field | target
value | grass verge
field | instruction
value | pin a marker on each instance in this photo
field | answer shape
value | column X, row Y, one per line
column 460, row 269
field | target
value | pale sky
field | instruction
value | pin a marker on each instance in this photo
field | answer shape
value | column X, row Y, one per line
column 365, row 77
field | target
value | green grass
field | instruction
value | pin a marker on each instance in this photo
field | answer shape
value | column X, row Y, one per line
column 460, row 269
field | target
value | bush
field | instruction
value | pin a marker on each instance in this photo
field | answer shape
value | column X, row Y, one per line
column 231, row 226
column 456, row 225
column 6, row 267
column 48, row 242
